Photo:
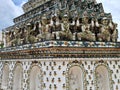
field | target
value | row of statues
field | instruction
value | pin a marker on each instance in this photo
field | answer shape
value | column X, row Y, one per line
column 64, row 28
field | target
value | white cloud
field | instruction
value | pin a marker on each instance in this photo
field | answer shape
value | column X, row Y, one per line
column 8, row 11
column 23, row 2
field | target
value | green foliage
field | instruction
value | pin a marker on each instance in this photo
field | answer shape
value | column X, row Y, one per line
column 1, row 45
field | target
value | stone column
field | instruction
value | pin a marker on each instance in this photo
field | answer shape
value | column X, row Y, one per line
column 89, row 67
column 26, row 66
column 11, row 68
column 1, row 67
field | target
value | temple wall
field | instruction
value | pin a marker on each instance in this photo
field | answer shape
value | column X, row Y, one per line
column 56, row 74
column 38, row 34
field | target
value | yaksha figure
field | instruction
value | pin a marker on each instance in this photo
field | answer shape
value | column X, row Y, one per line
column 17, row 40
column 30, row 38
column 113, row 31
column 86, row 33
column 12, row 38
column 44, row 29
column 8, row 38
column 114, row 35
column 104, row 34
column 55, row 27
column 65, row 26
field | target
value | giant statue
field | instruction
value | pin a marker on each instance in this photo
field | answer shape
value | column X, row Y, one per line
column 44, row 29
column 86, row 33
column 65, row 26
column 104, row 34
column 66, row 20
column 55, row 27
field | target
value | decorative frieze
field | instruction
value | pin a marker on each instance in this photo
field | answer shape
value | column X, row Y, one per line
column 61, row 52
column 59, row 78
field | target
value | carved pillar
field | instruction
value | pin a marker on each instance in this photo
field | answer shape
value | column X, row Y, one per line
column 1, row 67
column 89, row 66
column 26, row 66
column 10, row 83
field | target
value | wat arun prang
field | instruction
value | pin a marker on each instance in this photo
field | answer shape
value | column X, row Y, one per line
column 61, row 45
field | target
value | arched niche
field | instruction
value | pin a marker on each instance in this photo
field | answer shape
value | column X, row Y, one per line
column 5, row 77
column 35, row 78
column 75, row 77
column 102, row 78
column 17, row 80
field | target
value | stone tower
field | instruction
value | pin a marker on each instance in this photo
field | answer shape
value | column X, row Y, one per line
column 61, row 45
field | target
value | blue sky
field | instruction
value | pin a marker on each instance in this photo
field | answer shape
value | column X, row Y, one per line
column 18, row 2
column 113, row 7
column 10, row 9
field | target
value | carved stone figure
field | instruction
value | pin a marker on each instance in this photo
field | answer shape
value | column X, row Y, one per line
column 11, row 38
column 96, row 28
column 55, row 27
column 46, row 34
column 39, row 36
column 36, row 29
column 65, row 26
column 77, row 28
column 30, row 37
column 114, row 35
column 86, row 33
column 104, row 34
column 84, row 22
column 17, row 40
column 7, row 39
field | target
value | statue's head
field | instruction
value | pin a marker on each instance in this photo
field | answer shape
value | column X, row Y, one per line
column 29, row 24
column 16, row 29
column 105, row 21
column 85, row 20
column 44, row 19
column 65, row 18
